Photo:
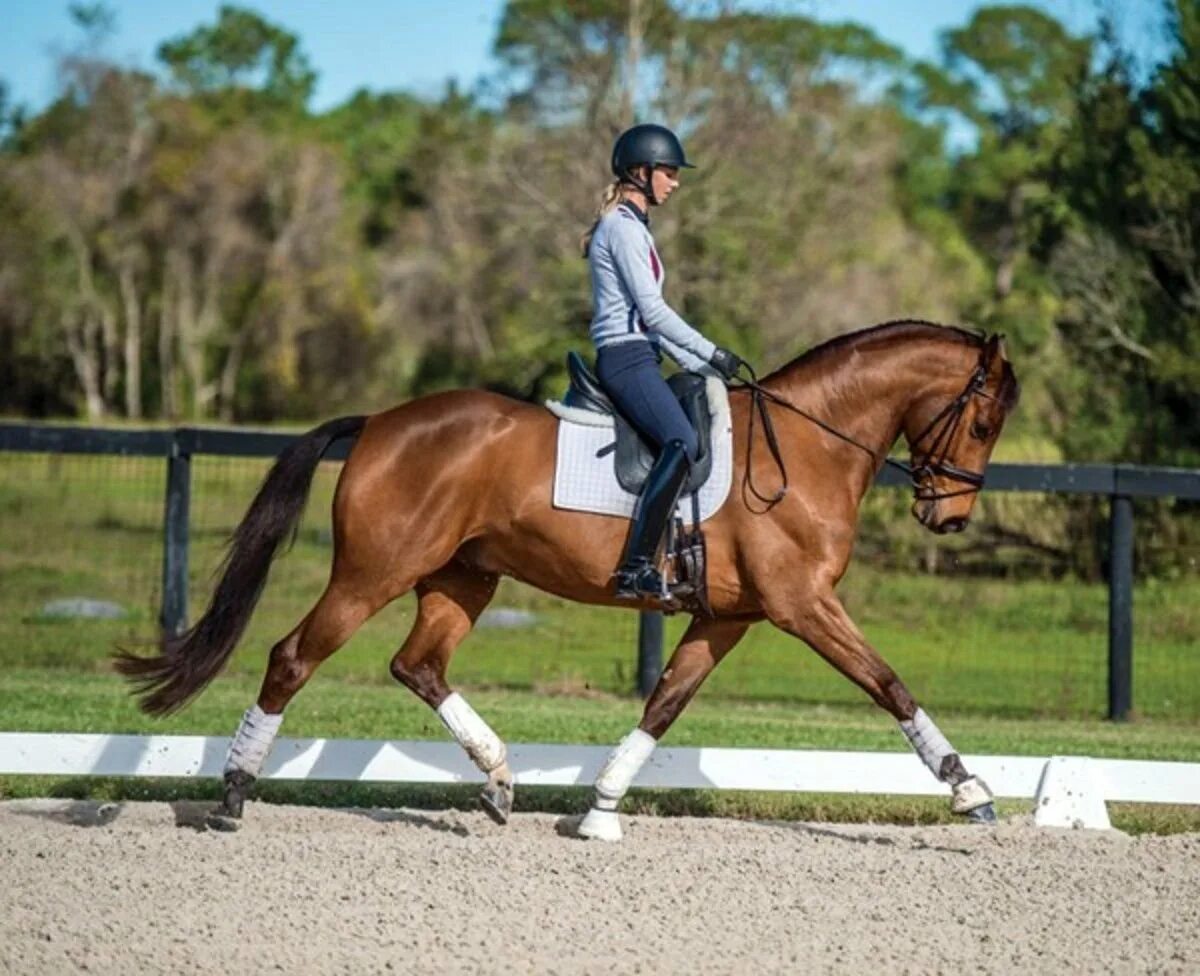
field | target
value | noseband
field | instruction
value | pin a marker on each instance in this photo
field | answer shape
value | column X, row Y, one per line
column 932, row 463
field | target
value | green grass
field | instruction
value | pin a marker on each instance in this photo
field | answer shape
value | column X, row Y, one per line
column 92, row 526
column 41, row 700
column 1006, row 666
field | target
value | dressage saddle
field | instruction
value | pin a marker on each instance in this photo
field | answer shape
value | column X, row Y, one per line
column 634, row 455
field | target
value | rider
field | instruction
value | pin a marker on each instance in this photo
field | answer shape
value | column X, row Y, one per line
column 632, row 326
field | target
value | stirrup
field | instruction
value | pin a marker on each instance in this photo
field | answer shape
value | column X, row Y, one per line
column 639, row 582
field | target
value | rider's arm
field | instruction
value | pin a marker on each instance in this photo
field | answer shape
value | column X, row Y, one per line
column 687, row 360
column 630, row 247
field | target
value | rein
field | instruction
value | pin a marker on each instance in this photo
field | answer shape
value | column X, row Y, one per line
column 949, row 417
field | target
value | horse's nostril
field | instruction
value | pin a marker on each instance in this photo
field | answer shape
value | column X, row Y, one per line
column 953, row 525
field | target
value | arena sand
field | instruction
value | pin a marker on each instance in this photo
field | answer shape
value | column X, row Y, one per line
column 142, row 888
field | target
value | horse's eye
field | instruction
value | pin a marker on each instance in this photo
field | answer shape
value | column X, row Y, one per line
column 980, row 431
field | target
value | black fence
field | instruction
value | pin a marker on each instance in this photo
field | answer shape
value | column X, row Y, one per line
column 1121, row 484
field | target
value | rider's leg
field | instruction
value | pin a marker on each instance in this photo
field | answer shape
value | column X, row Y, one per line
column 630, row 375
column 638, row 574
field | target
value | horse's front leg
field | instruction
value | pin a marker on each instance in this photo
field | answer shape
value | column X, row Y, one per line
column 821, row 621
column 704, row 644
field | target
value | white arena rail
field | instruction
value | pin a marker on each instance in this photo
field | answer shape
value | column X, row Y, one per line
column 1069, row 790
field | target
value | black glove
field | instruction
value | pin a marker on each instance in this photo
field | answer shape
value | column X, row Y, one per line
column 725, row 362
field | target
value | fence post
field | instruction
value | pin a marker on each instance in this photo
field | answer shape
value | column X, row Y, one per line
column 650, row 644
column 1120, row 609
column 175, row 540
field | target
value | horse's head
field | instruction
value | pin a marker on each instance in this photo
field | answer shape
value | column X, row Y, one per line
column 951, row 434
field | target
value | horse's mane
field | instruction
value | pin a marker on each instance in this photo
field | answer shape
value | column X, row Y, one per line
column 898, row 328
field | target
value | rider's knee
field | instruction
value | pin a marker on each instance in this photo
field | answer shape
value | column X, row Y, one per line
column 691, row 447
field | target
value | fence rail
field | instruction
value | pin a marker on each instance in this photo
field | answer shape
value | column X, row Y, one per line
column 1120, row 483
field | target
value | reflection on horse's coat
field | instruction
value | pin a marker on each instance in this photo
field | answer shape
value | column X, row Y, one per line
column 449, row 492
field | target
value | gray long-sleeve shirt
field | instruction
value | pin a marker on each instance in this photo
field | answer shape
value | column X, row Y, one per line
column 627, row 277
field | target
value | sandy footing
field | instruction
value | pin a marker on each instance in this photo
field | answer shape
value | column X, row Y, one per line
column 143, row 888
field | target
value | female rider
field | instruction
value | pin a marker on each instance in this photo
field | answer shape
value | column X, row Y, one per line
column 632, row 326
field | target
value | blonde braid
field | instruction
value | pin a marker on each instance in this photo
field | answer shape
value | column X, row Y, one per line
column 608, row 203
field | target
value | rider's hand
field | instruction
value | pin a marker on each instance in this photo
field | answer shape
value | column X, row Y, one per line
column 725, row 362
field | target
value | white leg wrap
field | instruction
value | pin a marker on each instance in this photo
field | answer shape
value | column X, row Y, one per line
column 249, row 748
column 473, row 733
column 927, row 740
column 626, row 761
column 621, row 768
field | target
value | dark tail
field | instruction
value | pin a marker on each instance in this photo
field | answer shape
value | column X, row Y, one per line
column 187, row 663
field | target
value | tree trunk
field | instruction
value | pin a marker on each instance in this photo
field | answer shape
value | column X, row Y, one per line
column 133, row 344
column 191, row 337
column 82, row 347
column 168, row 329
column 1010, row 243
column 229, row 374
column 83, row 343
column 634, row 29
column 111, row 333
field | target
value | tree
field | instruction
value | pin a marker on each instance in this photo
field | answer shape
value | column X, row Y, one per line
column 1131, row 269
column 243, row 58
column 1011, row 73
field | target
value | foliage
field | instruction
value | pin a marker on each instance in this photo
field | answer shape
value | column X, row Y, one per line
column 201, row 244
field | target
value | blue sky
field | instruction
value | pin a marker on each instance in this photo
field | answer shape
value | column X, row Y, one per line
column 417, row 45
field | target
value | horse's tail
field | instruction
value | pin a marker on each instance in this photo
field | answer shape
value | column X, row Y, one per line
column 186, row 663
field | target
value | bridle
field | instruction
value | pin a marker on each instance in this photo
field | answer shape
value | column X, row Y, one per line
column 943, row 427
column 932, row 463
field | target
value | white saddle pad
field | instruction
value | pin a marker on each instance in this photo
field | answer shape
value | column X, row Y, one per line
column 585, row 482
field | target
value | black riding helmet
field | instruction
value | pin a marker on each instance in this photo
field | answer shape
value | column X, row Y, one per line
column 646, row 145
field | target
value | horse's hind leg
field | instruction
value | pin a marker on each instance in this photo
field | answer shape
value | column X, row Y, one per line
column 339, row 612
column 823, row 624
column 449, row 602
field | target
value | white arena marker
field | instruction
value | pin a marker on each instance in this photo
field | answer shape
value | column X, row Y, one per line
column 899, row 773
column 1071, row 794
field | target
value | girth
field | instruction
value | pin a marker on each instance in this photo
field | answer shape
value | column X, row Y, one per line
column 634, row 455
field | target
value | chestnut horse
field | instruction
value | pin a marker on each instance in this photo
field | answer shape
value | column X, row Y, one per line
column 449, row 492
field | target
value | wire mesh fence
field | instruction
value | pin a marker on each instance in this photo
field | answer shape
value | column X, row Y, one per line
column 1010, row 618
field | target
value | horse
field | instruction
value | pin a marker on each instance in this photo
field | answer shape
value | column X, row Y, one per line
column 448, row 492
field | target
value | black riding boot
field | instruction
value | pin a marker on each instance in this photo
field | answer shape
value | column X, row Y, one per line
column 638, row 576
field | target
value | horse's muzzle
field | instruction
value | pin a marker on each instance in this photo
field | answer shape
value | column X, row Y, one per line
column 925, row 512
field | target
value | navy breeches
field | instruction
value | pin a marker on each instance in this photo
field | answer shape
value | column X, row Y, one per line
column 630, row 375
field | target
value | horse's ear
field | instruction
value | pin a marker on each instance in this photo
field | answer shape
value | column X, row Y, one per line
column 993, row 350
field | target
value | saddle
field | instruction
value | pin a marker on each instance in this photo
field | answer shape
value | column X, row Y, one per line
column 634, row 455
column 685, row 581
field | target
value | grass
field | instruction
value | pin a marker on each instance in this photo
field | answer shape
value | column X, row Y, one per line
column 39, row 700
column 1006, row 666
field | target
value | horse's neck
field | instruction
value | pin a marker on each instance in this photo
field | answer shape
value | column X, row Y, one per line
column 865, row 392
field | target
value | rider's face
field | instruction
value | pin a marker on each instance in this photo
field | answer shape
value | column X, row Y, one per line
column 665, row 181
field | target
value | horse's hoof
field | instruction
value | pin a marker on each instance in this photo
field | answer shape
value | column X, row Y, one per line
column 985, row 814
column 600, row 825
column 222, row 821
column 497, row 798
column 228, row 816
